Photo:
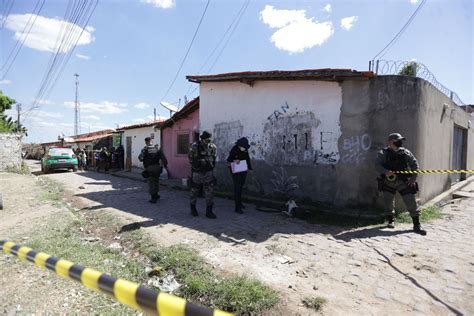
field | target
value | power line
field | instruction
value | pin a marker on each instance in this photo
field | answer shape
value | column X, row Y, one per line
column 242, row 8
column 187, row 52
column 71, row 50
column 68, row 43
column 397, row 36
column 30, row 26
column 75, row 22
column 6, row 12
column 65, row 25
column 230, row 36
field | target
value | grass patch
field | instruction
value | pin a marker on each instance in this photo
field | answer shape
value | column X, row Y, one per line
column 426, row 214
column 201, row 284
column 23, row 169
column 315, row 303
column 63, row 237
column 60, row 240
column 53, row 191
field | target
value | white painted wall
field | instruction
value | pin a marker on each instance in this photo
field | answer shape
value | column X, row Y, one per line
column 271, row 109
column 138, row 141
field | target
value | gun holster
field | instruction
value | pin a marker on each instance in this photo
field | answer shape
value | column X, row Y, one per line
column 414, row 189
column 380, row 183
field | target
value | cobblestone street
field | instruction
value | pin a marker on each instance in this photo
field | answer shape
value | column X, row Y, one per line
column 370, row 271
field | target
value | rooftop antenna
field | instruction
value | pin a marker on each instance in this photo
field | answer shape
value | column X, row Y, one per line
column 169, row 107
column 77, row 111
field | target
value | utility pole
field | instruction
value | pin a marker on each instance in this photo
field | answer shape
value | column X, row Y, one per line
column 18, row 109
column 154, row 114
column 77, row 124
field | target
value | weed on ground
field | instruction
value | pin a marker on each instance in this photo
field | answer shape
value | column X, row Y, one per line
column 315, row 303
column 85, row 241
column 203, row 285
column 426, row 214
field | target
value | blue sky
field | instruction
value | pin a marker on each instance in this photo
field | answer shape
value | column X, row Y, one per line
column 131, row 50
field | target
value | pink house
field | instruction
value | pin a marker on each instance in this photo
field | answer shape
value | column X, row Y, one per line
column 177, row 134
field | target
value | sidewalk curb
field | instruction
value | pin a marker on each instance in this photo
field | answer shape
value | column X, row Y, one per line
column 440, row 197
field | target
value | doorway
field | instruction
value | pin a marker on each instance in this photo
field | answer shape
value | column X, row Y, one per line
column 459, row 153
column 128, row 151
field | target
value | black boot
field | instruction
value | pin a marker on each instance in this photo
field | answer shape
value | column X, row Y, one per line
column 417, row 227
column 154, row 198
column 209, row 213
column 238, row 209
column 194, row 211
column 391, row 222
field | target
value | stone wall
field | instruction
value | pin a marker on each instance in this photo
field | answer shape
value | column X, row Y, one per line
column 10, row 151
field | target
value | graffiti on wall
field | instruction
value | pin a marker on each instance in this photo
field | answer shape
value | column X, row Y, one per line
column 289, row 136
column 289, row 139
column 225, row 135
column 277, row 113
column 356, row 148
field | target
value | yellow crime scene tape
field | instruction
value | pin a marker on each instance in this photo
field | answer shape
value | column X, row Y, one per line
column 126, row 292
column 433, row 171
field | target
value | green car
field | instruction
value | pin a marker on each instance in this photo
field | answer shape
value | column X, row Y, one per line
column 59, row 158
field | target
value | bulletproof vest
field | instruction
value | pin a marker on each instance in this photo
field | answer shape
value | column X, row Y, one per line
column 152, row 156
column 202, row 154
column 395, row 160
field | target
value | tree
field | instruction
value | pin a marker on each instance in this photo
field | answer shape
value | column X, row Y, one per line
column 409, row 69
column 7, row 124
column 5, row 102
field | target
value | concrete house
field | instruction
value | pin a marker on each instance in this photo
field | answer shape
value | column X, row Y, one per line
column 177, row 134
column 322, row 129
column 133, row 140
column 91, row 142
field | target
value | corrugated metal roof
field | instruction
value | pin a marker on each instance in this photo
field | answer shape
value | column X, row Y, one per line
column 305, row 74
column 92, row 136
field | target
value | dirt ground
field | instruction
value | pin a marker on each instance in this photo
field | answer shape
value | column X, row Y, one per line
column 371, row 270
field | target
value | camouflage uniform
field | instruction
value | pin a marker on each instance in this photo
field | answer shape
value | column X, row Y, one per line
column 153, row 157
column 398, row 160
column 202, row 158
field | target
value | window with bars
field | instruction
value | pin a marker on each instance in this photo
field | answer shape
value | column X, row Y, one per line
column 183, row 144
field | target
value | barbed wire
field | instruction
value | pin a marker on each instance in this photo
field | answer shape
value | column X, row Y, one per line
column 414, row 69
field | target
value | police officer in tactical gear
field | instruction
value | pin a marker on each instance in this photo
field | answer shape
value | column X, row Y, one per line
column 202, row 157
column 392, row 158
column 153, row 161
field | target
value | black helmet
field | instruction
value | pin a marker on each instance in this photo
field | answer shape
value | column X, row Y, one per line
column 205, row 135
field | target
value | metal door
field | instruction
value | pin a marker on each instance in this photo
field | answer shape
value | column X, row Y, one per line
column 128, row 160
column 459, row 153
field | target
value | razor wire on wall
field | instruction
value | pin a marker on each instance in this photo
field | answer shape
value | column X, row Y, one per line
column 414, row 69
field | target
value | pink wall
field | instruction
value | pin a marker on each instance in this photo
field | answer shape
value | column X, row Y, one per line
column 178, row 164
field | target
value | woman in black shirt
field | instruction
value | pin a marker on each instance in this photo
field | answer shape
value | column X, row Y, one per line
column 237, row 154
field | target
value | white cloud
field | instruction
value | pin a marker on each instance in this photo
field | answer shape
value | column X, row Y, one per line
column 91, row 117
column 142, row 105
column 139, row 120
column 348, row 23
column 45, row 31
column 48, row 124
column 295, row 31
column 413, row 1
column 83, row 56
column 162, row 4
column 40, row 113
column 158, row 118
column 328, row 8
column 99, row 127
column 5, row 81
column 43, row 101
column 104, row 107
